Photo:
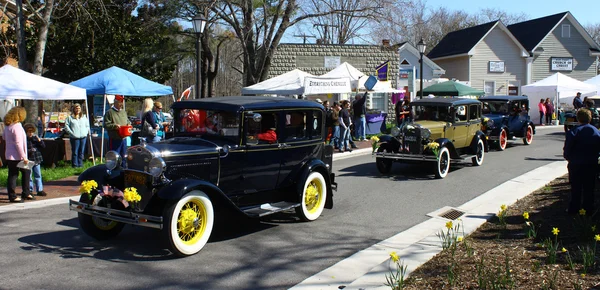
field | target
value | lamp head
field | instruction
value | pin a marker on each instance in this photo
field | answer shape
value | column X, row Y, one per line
column 199, row 23
column 421, row 46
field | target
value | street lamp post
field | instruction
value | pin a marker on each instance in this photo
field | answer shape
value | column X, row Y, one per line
column 421, row 47
column 199, row 23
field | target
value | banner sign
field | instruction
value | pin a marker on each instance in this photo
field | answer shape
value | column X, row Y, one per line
column 404, row 73
column 561, row 63
column 317, row 86
column 382, row 71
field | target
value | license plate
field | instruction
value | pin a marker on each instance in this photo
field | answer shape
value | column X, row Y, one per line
column 410, row 138
column 136, row 178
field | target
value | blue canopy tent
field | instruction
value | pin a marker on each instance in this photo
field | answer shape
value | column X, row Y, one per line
column 117, row 81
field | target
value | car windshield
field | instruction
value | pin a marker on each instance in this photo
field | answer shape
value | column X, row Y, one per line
column 431, row 113
column 494, row 107
column 210, row 124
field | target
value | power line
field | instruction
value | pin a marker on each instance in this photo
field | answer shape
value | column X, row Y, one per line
column 305, row 36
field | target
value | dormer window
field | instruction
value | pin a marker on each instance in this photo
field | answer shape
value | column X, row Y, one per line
column 566, row 31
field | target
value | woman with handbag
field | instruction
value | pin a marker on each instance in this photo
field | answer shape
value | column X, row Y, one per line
column 78, row 127
column 149, row 125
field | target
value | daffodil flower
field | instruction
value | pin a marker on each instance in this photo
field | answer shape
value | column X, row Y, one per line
column 564, row 250
column 503, row 207
column 597, row 238
column 449, row 225
column 394, row 257
column 582, row 211
column 555, row 231
column 526, row 215
column 130, row 195
column 459, row 239
column 593, row 228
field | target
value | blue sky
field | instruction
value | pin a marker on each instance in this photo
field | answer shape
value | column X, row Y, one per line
column 585, row 11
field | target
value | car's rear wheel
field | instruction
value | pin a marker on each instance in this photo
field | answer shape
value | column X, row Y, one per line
column 502, row 140
column 95, row 227
column 443, row 163
column 528, row 135
column 479, row 153
column 189, row 223
column 314, row 195
column 384, row 165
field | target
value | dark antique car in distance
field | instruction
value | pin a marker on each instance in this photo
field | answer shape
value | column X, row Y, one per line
column 443, row 130
column 255, row 155
column 507, row 118
column 571, row 116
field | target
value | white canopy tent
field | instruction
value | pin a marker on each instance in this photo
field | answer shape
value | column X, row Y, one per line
column 289, row 83
column 345, row 70
column 595, row 81
column 324, row 85
column 560, row 88
column 19, row 84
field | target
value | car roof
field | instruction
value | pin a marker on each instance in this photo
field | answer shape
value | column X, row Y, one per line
column 245, row 103
column 437, row 101
column 504, row 98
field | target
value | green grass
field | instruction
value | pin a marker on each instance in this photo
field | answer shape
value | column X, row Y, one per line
column 62, row 170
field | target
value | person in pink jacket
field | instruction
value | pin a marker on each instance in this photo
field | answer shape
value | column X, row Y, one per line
column 16, row 151
column 542, row 108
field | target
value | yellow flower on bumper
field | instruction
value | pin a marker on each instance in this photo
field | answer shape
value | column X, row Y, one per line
column 130, row 195
column 87, row 186
column 374, row 139
column 394, row 257
column 433, row 145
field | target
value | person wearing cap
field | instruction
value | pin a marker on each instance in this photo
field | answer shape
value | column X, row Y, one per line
column 78, row 127
column 114, row 118
column 160, row 120
column 577, row 102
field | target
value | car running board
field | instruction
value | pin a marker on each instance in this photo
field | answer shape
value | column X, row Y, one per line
column 269, row 208
column 463, row 157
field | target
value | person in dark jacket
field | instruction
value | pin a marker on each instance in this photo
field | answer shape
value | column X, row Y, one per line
column 35, row 145
column 577, row 102
column 581, row 150
column 359, row 109
column 345, row 123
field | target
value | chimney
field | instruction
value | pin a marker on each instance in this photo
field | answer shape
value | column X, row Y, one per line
column 385, row 42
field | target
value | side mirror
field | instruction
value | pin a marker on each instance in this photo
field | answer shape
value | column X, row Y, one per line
column 256, row 117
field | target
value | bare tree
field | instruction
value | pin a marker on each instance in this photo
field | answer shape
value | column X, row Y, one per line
column 594, row 31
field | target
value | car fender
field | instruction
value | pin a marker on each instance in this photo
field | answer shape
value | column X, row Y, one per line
column 310, row 166
column 385, row 138
column 175, row 190
column 102, row 176
column 530, row 124
column 479, row 136
column 445, row 142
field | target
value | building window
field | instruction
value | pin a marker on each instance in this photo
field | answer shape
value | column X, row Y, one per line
column 404, row 62
column 489, row 88
column 378, row 101
column 566, row 31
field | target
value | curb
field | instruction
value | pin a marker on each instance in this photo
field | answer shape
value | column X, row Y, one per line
column 417, row 245
column 355, row 152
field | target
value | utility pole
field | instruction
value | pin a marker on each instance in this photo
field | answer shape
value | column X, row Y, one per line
column 326, row 31
column 305, row 36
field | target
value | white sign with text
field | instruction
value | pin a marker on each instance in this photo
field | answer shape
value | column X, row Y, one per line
column 332, row 61
column 561, row 63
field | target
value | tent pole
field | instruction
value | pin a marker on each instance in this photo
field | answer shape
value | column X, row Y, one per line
column 102, row 143
column 87, row 109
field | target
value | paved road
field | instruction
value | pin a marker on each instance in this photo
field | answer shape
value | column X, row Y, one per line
column 44, row 249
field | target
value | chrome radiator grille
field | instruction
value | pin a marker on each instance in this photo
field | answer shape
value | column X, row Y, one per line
column 138, row 158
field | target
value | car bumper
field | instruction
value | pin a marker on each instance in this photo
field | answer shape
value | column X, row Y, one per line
column 333, row 183
column 403, row 156
column 122, row 216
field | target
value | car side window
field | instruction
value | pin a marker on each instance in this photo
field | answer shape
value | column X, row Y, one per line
column 316, row 125
column 461, row 114
column 264, row 131
column 295, row 126
column 473, row 112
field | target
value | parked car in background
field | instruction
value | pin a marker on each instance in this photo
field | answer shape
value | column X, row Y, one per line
column 257, row 156
column 135, row 121
column 571, row 116
column 444, row 130
column 507, row 118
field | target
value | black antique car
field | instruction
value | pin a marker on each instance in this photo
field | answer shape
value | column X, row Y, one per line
column 255, row 155
column 507, row 118
column 444, row 130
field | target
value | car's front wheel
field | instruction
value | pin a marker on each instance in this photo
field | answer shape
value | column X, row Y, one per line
column 443, row 163
column 384, row 165
column 528, row 135
column 189, row 223
column 95, row 227
column 314, row 194
column 502, row 140
column 479, row 153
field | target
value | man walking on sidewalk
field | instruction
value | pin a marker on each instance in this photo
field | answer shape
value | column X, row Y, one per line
column 360, row 112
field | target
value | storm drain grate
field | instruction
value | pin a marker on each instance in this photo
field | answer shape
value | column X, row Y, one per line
column 452, row 214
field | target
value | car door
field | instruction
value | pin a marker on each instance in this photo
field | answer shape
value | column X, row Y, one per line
column 460, row 127
column 515, row 118
column 474, row 122
column 262, row 158
column 302, row 131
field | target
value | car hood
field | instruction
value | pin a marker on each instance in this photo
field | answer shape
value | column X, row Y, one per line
column 495, row 117
column 185, row 146
column 436, row 128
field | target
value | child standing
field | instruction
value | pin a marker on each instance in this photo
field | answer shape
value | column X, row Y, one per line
column 34, row 146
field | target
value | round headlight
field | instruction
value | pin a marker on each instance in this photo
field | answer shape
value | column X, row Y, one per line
column 490, row 123
column 113, row 159
column 395, row 132
column 426, row 133
column 156, row 167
